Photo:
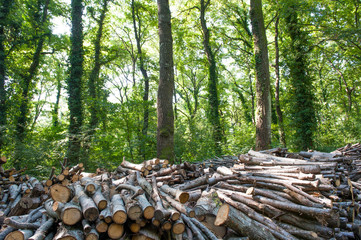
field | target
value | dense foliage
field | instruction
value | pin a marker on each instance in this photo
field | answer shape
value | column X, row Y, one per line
column 319, row 44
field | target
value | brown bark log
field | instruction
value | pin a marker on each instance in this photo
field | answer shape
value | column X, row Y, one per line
column 178, row 195
column 195, row 230
column 242, row 224
column 208, row 221
column 160, row 212
column 177, row 205
column 257, row 217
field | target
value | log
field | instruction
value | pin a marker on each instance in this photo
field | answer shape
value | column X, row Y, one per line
column 138, row 167
column 86, row 226
column 147, row 208
column 60, row 193
column 304, row 234
column 178, row 195
column 21, row 225
column 89, row 184
column 70, row 214
column 92, row 235
column 195, row 230
column 106, row 215
column 118, row 210
column 147, row 234
column 208, row 221
column 257, row 217
column 115, row 230
column 89, row 209
column 144, row 184
column 99, row 199
column 43, row 230
column 160, row 212
column 322, row 214
column 135, row 189
column 133, row 208
column 101, row 226
column 22, row 234
column 204, row 229
column 177, row 205
column 242, row 224
column 178, row 227
column 67, row 233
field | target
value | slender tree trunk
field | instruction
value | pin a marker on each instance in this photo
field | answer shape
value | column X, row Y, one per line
column 213, row 99
column 138, row 35
column 58, row 94
column 165, row 128
column 93, row 83
column 4, row 11
column 303, row 111
column 263, row 101
column 277, row 87
column 26, row 81
column 75, row 82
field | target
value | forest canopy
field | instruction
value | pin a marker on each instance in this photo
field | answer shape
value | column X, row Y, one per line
column 102, row 77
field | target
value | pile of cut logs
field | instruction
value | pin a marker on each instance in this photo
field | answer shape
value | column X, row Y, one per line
column 271, row 194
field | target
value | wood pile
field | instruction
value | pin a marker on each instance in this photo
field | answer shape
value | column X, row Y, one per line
column 271, row 194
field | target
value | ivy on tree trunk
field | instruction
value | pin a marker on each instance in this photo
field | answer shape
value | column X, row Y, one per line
column 4, row 11
column 75, row 82
column 302, row 97
column 213, row 99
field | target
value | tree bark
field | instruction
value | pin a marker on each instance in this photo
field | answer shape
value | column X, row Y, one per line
column 55, row 113
column 138, row 37
column 263, row 109
column 301, row 89
column 4, row 11
column 213, row 98
column 75, row 82
column 281, row 129
column 165, row 128
column 26, row 81
column 93, row 83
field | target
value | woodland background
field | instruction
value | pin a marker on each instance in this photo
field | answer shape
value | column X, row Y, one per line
column 120, row 74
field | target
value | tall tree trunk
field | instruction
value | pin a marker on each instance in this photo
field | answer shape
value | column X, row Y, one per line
column 303, row 111
column 55, row 114
column 277, row 87
column 263, row 101
column 93, row 83
column 26, row 81
column 138, row 37
column 75, row 82
column 165, row 128
column 214, row 117
column 4, row 11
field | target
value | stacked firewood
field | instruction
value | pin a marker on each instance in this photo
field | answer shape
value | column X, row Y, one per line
column 260, row 195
